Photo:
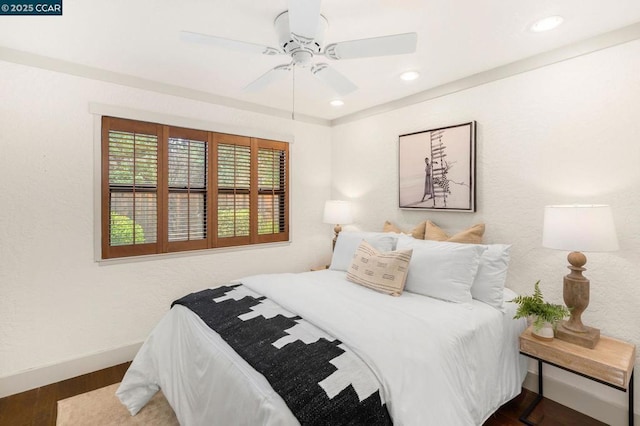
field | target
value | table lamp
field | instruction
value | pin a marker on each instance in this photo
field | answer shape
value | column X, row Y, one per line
column 578, row 228
column 338, row 213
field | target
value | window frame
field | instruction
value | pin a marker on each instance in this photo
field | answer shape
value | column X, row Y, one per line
column 212, row 240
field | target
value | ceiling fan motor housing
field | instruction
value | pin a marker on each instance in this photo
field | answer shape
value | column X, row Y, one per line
column 300, row 49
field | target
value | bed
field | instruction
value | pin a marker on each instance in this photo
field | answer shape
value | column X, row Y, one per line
column 435, row 361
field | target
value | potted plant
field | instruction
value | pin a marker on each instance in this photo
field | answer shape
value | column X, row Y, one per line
column 545, row 315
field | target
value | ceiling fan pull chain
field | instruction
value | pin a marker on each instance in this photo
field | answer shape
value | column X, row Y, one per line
column 293, row 93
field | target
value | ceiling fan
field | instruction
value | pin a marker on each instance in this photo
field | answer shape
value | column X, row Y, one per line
column 301, row 35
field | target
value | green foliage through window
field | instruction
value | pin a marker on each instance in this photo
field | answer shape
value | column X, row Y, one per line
column 124, row 231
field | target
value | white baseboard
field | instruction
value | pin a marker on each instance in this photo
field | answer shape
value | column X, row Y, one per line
column 42, row 376
column 581, row 401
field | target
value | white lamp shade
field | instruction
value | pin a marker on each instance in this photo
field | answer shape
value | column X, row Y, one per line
column 337, row 212
column 579, row 228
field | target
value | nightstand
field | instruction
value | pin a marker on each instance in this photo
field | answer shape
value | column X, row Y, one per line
column 611, row 363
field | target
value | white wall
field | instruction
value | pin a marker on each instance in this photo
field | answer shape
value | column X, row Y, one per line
column 56, row 303
column 565, row 133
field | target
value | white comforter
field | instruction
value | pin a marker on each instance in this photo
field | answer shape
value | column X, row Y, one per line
column 440, row 363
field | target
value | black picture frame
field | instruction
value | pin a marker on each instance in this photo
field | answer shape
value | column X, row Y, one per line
column 437, row 169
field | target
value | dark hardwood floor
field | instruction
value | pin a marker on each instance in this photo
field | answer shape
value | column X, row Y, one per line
column 38, row 407
column 547, row 413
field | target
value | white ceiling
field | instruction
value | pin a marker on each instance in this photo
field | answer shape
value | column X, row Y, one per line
column 456, row 39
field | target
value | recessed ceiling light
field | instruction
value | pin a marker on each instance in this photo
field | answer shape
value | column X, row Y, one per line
column 409, row 75
column 546, row 24
column 337, row 102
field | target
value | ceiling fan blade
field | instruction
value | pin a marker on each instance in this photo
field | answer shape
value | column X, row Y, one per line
column 303, row 20
column 377, row 46
column 227, row 43
column 338, row 82
column 267, row 78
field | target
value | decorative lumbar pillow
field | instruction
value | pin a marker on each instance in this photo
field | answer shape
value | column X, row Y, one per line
column 472, row 235
column 441, row 269
column 348, row 243
column 492, row 273
column 382, row 271
column 417, row 232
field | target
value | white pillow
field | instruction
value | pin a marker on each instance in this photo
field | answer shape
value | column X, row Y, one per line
column 491, row 276
column 441, row 269
column 348, row 243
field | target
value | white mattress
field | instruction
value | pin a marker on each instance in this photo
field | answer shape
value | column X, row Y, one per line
column 439, row 362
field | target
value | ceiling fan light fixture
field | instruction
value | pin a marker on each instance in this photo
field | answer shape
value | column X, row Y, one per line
column 300, row 31
column 409, row 75
column 336, row 103
column 546, row 24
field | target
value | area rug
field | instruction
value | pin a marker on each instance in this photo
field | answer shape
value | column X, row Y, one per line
column 102, row 407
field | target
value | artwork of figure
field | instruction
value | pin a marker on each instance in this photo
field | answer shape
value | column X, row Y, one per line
column 428, row 182
column 437, row 169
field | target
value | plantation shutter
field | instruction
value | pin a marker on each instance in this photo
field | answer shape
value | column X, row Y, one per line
column 130, row 188
column 272, row 191
column 234, row 187
column 167, row 189
column 187, row 216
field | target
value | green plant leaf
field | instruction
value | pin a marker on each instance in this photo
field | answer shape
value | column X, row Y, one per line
column 536, row 307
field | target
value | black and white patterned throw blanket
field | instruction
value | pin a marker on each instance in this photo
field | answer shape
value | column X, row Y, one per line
column 322, row 381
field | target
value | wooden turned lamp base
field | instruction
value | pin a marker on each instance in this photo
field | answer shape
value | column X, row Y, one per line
column 336, row 229
column 576, row 297
column 586, row 339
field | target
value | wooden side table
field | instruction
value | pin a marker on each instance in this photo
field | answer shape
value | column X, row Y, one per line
column 611, row 363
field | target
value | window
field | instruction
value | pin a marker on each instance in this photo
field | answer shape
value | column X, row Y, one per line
column 168, row 189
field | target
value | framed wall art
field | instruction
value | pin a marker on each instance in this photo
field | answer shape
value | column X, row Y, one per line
column 437, row 169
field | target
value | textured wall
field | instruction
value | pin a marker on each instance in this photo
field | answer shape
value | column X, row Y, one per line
column 566, row 133
column 56, row 303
